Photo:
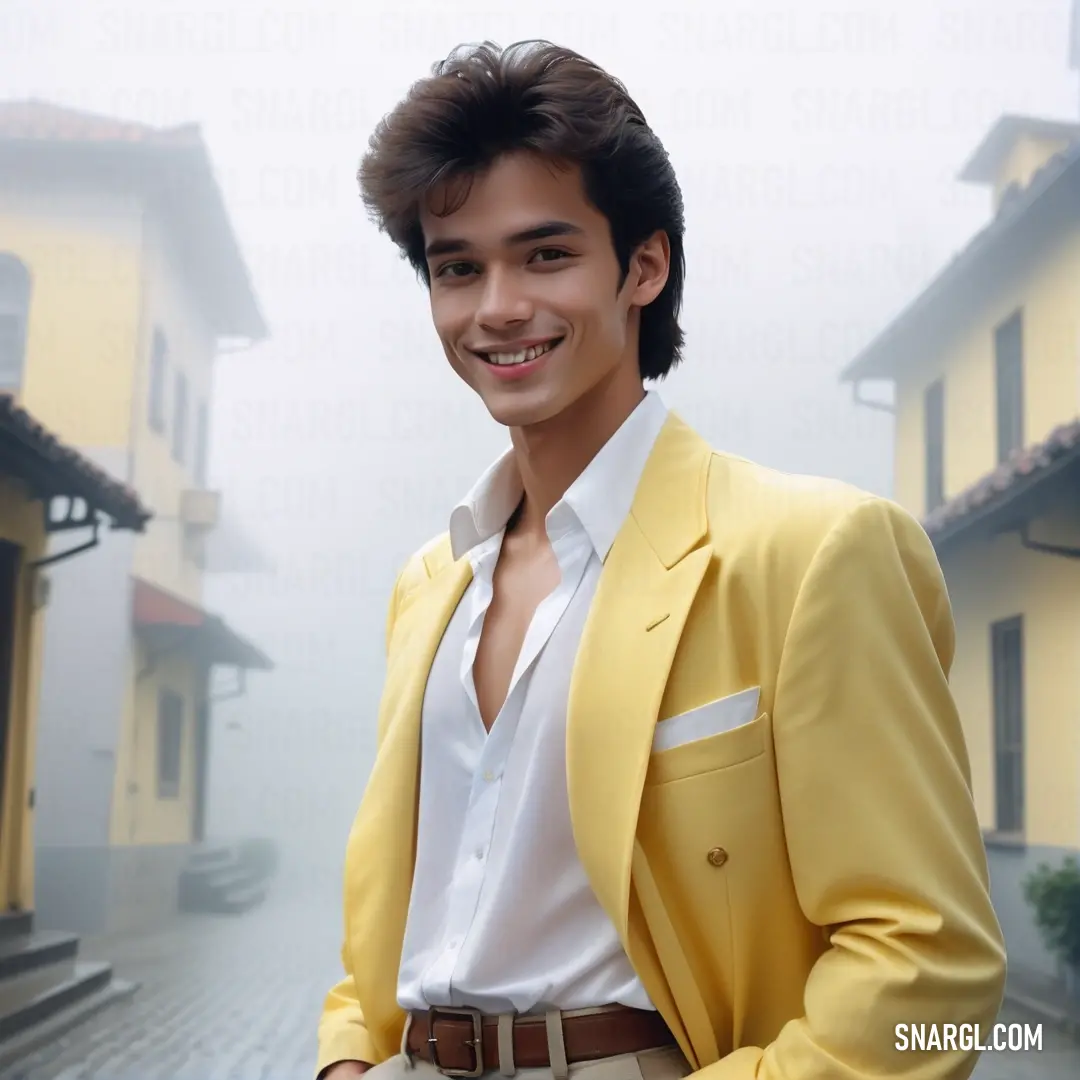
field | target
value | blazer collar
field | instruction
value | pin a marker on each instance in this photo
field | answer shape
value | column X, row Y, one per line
column 669, row 506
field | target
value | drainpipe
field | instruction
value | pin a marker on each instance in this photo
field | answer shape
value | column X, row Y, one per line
column 237, row 692
column 61, row 556
column 869, row 403
column 1043, row 548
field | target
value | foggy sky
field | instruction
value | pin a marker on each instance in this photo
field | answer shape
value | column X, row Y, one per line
column 816, row 144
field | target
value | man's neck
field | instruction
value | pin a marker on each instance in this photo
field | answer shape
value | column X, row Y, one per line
column 552, row 455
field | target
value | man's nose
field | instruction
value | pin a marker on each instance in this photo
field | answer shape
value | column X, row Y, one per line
column 504, row 301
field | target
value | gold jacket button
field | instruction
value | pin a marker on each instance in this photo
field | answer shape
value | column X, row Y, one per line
column 718, row 856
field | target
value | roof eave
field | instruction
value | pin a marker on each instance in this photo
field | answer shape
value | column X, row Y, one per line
column 985, row 161
column 157, row 611
column 242, row 315
column 982, row 163
column 123, row 519
column 53, row 470
column 886, row 352
column 1013, row 501
column 864, row 367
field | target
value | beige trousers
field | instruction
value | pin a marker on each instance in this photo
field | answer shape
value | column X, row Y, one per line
column 667, row 1063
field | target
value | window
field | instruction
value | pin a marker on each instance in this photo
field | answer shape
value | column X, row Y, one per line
column 1009, row 364
column 159, row 360
column 180, row 407
column 934, row 435
column 1007, row 663
column 170, row 743
column 202, row 444
column 14, row 316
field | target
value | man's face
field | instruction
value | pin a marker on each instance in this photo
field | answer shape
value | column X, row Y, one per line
column 525, row 291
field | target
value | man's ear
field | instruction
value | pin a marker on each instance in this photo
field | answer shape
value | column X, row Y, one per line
column 649, row 268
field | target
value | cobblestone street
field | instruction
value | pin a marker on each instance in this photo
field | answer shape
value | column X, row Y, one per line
column 238, row 999
column 221, row 999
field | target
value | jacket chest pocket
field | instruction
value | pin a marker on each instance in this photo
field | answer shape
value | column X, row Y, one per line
column 705, row 800
column 702, row 809
column 721, row 751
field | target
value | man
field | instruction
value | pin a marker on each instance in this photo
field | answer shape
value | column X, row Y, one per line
column 669, row 777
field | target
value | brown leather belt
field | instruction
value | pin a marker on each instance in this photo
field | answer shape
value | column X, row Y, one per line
column 465, row 1042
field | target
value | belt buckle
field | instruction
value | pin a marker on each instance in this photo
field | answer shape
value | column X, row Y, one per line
column 476, row 1042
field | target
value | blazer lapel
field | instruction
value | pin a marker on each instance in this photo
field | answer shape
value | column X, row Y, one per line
column 647, row 587
column 382, row 844
column 648, row 584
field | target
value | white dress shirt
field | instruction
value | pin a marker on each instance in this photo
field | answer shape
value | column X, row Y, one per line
column 502, row 916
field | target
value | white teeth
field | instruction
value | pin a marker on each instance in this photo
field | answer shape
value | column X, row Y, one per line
column 531, row 353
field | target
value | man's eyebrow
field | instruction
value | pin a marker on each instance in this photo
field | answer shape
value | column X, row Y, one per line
column 453, row 246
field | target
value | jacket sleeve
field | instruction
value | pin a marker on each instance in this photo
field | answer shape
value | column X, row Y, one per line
column 342, row 1034
column 883, row 838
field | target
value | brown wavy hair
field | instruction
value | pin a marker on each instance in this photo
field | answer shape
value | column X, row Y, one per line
column 483, row 102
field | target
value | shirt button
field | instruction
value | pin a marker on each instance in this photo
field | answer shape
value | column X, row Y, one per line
column 489, row 776
column 479, row 853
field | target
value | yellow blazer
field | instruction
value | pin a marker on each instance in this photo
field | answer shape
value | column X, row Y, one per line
column 788, row 891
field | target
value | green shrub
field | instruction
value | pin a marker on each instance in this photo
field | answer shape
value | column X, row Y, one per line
column 1055, row 896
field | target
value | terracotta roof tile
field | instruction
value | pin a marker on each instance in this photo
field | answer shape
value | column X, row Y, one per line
column 155, row 610
column 46, row 122
column 996, row 488
column 176, row 163
column 75, row 474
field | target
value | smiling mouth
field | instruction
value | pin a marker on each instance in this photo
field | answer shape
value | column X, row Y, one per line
column 512, row 359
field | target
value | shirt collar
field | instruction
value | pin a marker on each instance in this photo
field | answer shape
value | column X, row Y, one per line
column 600, row 497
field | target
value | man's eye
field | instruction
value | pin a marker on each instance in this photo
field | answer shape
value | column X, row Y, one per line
column 455, row 269
column 549, row 255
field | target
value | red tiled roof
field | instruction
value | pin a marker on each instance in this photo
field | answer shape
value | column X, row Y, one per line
column 174, row 163
column 154, row 610
column 152, row 606
column 70, row 473
column 996, row 489
column 46, row 122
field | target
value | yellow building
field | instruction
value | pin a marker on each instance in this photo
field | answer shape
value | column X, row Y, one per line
column 131, row 280
column 985, row 365
column 46, row 490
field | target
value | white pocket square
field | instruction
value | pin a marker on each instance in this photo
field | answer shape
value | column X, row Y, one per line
column 710, row 719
